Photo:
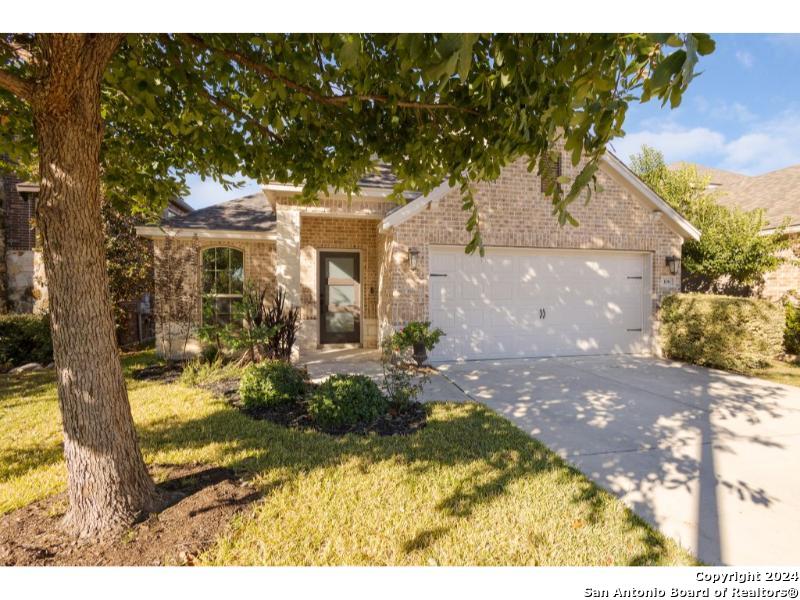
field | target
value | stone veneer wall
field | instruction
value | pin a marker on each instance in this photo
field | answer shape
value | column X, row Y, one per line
column 515, row 213
column 259, row 267
column 330, row 233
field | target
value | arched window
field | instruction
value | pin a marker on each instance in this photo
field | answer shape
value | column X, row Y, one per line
column 223, row 283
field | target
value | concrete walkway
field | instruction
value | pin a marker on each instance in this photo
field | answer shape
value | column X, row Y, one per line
column 712, row 459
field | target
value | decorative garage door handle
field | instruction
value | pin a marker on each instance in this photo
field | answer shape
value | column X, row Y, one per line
column 542, row 313
column 438, row 274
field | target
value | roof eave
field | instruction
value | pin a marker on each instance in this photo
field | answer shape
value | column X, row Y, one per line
column 163, row 231
column 674, row 218
column 364, row 191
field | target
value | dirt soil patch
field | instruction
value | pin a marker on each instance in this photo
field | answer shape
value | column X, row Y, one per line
column 295, row 415
column 206, row 500
column 166, row 373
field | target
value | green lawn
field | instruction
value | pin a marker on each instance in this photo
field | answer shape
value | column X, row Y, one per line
column 470, row 488
column 781, row 371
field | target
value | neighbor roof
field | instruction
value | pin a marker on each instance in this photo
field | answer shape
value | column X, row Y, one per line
column 718, row 177
column 777, row 192
column 249, row 213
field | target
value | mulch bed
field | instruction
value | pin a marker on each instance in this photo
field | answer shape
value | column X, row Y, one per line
column 166, row 373
column 397, row 422
column 206, row 500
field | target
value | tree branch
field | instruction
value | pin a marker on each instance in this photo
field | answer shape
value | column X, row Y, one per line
column 222, row 103
column 312, row 94
column 17, row 50
column 19, row 87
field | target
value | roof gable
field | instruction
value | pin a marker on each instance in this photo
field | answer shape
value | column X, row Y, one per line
column 610, row 163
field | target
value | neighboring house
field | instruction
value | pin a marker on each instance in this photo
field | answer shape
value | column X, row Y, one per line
column 23, row 282
column 361, row 267
column 24, row 288
column 778, row 194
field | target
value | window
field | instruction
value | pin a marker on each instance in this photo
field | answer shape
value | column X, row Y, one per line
column 551, row 171
column 223, row 283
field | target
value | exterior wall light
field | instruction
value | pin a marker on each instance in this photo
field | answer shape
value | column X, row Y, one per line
column 413, row 258
column 673, row 262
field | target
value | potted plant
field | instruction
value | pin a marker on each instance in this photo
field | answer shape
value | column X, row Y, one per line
column 418, row 336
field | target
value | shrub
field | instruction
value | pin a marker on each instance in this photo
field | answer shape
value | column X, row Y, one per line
column 24, row 339
column 259, row 329
column 202, row 372
column 346, row 401
column 791, row 333
column 417, row 332
column 737, row 334
column 401, row 385
column 270, row 383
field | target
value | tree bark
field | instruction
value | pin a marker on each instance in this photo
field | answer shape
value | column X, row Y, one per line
column 108, row 482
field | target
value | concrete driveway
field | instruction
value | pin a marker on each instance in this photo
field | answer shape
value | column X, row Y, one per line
column 711, row 459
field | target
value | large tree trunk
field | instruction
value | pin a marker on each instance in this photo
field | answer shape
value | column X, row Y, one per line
column 108, row 482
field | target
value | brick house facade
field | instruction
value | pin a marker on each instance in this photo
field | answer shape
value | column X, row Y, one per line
column 23, row 280
column 392, row 243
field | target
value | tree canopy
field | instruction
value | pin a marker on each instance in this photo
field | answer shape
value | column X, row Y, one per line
column 318, row 110
column 732, row 252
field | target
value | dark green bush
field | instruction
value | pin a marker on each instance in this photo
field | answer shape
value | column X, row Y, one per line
column 737, row 334
column 417, row 332
column 791, row 334
column 25, row 338
column 346, row 401
column 270, row 383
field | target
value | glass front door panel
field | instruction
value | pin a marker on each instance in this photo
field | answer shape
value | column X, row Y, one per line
column 340, row 302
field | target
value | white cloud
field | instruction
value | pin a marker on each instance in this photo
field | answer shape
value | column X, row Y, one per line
column 730, row 111
column 674, row 142
column 745, row 59
column 765, row 145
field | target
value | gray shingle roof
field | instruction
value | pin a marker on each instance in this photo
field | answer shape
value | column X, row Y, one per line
column 382, row 177
column 249, row 213
column 777, row 192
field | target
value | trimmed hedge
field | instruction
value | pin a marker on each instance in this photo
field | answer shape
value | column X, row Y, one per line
column 791, row 335
column 736, row 334
column 271, row 383
column 343, row 401
column 25, row 338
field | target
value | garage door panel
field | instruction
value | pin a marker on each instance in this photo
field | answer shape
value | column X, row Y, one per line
column 538, row 303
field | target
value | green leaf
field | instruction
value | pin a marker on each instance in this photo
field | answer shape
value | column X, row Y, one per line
column 259, row 98
column 350, row 52
column 465, row 54
column 705, row 45
column 667, row 68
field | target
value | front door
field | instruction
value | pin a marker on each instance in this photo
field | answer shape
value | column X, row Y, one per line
column 340, row 297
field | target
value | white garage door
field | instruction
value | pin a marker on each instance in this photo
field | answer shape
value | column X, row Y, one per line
column 525, row 302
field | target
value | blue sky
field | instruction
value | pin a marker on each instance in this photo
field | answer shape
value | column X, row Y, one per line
column 742, row 114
